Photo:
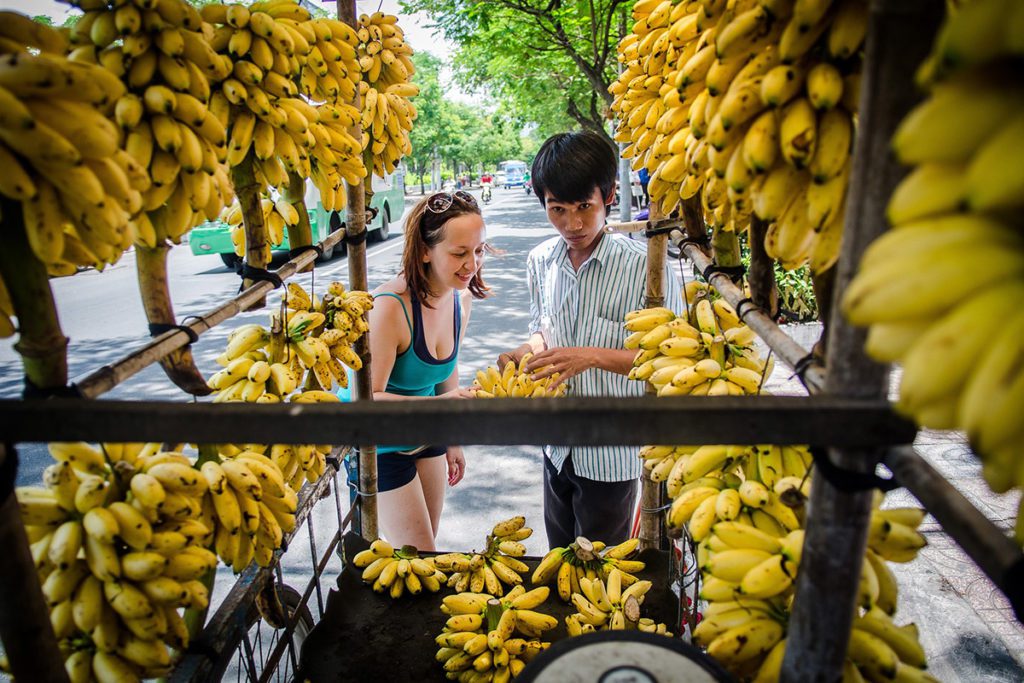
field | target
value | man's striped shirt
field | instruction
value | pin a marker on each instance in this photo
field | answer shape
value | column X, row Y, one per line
column 588, row 308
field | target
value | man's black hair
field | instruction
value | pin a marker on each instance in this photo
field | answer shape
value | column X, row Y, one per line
column 568, row 166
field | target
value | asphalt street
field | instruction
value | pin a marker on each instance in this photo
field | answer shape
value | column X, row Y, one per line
column 966, row 626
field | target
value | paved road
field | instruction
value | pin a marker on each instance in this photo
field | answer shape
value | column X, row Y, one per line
column 966, row 626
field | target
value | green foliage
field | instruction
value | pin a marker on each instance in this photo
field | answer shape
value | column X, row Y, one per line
column 796, row 294
column 549, row 63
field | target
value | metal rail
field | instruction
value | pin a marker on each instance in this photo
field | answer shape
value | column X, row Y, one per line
column 569, row 420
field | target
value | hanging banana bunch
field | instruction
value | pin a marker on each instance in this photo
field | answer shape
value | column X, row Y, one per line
column 751, row 106
column 277, row 215
column 940, row 290
column 162, row 56
column 387, row 115
column 119, row 537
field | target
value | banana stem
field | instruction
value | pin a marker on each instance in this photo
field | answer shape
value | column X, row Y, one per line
column 301, row 234
column 725, row 245
column 493, row 613
column 42, row 344
column 243, row 176
column 207, row 453
column 195, row 618
column 693, row 219
column 179, row 365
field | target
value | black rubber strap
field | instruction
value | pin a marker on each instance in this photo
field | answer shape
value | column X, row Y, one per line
column 372, row 211
column 298, row 251
column 156, row 329
column 356, row 239
column 803, row 365
column 744, row 306
column 733, row 272
column 703, row 241
column 261, row 275
column 31, row 391
column 1013, row 587
column 334, row 461
column 8, row 473
column 848, row 481
column 652, row 232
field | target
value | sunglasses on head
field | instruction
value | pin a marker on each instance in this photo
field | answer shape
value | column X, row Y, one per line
column 442, row 201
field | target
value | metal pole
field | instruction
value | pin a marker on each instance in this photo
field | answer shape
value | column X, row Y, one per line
column 652, row 494
column 24, row 617
column 355, row 229
column 899, row 36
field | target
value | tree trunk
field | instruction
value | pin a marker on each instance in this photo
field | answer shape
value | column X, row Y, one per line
column 248, row 191
column 301, row 234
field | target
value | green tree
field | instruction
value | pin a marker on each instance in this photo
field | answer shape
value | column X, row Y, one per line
column 549, row 61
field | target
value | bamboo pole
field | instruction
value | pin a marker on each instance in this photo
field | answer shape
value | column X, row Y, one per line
column 301, row 234
column 109, row 376
column 355, row 229
column 899, row 37
column 243, row 176
column 41, row 343
column 652, row 494
column 764, row 291
column 25, row 628
column 824, row 291
column 693, row 219
column 778, row 341
column 990, row 548
column 179, row 365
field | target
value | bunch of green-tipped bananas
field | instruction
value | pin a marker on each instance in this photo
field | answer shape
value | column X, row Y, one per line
column 583, row 559
column 277, row 215
column 279, row 58
column 398, row 570
column 118, row 535
column 497, row 564
column 60, row 150
column 253, row 504
column 708, row 353
column 514, row 381
column 477, row 643
column 601, row 606
column 387, row 114
column 711, row 483
column 163, row 56
column 940, row 290
column 751, row 104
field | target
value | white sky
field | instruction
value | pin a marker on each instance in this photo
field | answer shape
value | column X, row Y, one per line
column 414, row 25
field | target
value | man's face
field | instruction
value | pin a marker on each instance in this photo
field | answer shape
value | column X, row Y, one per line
column 579, row 223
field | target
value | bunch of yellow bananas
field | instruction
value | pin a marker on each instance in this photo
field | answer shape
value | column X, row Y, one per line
column 946, row 308
column 582, row 559
column 497, row 564
column 277, row 215
column 398, row 571
column 253, row 504
column 477, row 643
column 709, row 353
column 278, row 54
column 748, row 578
column 118, row 535
column 515, row 382
column 60, row 150
column 387, row 115
column 162, row 55
column 751, row 104
column 712, row 483
column 609, row 607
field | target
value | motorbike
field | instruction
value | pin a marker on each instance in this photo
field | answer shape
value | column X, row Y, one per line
column 485, row 193
column 529, row 187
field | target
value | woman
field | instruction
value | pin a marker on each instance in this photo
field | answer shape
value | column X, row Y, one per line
column 416, row 325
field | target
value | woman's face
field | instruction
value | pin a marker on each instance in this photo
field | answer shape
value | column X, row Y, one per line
column 460, row 253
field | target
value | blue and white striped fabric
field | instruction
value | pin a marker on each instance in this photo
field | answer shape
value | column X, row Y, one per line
column 588, row 308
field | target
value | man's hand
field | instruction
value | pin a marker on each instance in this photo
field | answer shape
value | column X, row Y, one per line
column 566, row 361
column 456, row 465
column 514, row 355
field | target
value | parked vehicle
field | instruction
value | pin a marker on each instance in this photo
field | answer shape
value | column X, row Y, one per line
column 515, row 173
column 214, row 237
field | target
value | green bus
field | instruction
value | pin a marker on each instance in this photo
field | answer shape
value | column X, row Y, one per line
column 214, row 237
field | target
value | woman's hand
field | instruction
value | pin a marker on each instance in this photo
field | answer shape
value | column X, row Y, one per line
column 456, row 465
column 458, row 392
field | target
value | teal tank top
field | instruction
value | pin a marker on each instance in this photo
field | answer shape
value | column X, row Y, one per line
column 416, row 372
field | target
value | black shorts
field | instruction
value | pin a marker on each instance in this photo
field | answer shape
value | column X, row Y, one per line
column 395, row 469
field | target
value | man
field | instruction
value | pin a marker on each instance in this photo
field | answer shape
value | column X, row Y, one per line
column 582, row 284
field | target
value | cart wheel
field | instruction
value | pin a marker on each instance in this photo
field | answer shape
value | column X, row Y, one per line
column 382, row 233
column 237, row 650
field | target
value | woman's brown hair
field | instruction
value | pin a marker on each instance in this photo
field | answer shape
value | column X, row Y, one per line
column 424, row 230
